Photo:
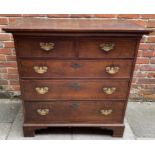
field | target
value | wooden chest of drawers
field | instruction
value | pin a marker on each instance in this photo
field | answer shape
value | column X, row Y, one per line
column 75, row 72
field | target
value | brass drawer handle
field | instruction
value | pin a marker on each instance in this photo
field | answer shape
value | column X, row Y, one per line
column 41, row 90
column 107, row 46
column 43, row 112
column 109, row 91
column 47, row 46
column 112, row 69
column 106, row 112
column 40, row 69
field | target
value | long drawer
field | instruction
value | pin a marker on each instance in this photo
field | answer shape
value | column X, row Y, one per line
column 74, row 89
column 76, row 68
column 74, row 112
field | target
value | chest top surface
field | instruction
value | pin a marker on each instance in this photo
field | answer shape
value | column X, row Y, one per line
column 74, row 25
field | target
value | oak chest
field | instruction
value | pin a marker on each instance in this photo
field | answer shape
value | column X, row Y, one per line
column 75, row 72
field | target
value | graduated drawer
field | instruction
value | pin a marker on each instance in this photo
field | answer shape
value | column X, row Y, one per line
column 76, row 68
column 107, row 47
column 74, row 112
column 74, row 89
column 45, row 47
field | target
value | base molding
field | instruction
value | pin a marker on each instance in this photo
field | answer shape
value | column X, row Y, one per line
column 29, row 129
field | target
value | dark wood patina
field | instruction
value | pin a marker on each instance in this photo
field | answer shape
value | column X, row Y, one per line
column 75, row 72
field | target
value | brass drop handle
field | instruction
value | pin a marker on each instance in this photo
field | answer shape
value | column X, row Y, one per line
column 112, row 69
column 41, row 90
column 106, row 112
column 47, row 46
column 40, row 69
column 109, row 90
column 43, row 112
column 106, row 47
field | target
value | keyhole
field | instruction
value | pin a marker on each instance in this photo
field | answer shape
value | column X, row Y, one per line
column 75, row 86
column 75, row 65
column 75, row 105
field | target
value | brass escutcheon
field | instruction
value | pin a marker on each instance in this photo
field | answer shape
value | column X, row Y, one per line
column 41, row 90
column 106, row 112
column 109, row 91
column 112, row 69
column 107, row 46
column 75, row 65
column 42, row 112
column 40, row 69
column 47, row 46
column 75, row 86
column 75, row 105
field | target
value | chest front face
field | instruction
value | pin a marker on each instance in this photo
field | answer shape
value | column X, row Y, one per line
column 75, row 78
column 76, row 68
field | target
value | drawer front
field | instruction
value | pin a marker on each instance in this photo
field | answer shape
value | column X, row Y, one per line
column 74, row 89
column 74, row 112
column 45, row 47
column 107, row 48
column 76, row 68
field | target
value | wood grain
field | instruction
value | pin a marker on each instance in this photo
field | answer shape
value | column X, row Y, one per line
column 76, row 71
column 31, row 47
column 74, row 112
column 74, row 25
column 90, row 47
column 74, row 89
column 75, row 68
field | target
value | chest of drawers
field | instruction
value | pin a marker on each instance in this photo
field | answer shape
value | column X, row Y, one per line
column 75, row 72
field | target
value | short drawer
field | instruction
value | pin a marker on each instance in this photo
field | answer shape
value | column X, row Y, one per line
column 107, row 48
column 74, row 112
column 74, row 89
column 76, row 68
column 45, row 47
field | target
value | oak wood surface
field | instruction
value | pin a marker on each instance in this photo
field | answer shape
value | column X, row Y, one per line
column 74, row 25
column 74, row 47
column 76, row 71
column 74, row 89
column 74, row 112
column 90, row 47
column 31, row 47
column 75, row 68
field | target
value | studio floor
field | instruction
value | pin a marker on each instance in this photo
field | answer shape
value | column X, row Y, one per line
column 139, row 122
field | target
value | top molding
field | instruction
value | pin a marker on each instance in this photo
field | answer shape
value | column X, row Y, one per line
column 74, row 25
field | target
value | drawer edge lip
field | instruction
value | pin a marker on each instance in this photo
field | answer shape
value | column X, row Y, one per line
column 81, row 33
column 73, row 58
column 54, row 100
column 72, row 125
column 75, row 100
column 75, row 78
column 80, row 79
